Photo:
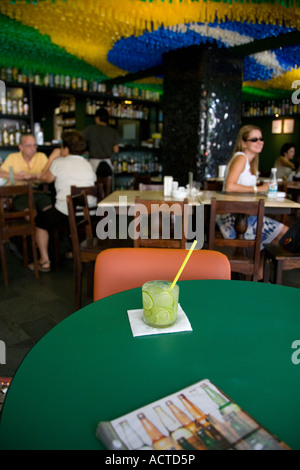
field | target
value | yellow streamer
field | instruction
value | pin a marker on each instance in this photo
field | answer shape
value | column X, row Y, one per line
column 89, row 28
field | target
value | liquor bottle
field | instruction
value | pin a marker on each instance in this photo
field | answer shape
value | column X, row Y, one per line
column 8, row 103
column 25, row 106
column 250, row 435
column 119, row 165
column 17, row 134
column 159, row 440
column 3, row 103
column 133, row 440
column 124, row 164
column 5, row 135
column 131, row 166
column 14, row 108
column 20, row 106
column 212, row 438
column 84, row 85
column 185, row 444
column 9, row 74
column 37, row 81
column 11, row 136
column 240, row 423
column 187, row 430
column 15, row 74
column 273, row 186
column 67, row 81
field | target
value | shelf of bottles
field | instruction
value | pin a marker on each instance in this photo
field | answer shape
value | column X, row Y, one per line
column 270, row 108
column 14, row 116
column 65, row 113
column 123, row 109
column 126, row 166
column 80, row 84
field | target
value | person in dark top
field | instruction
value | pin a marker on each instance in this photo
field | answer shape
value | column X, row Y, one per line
column 102, row 142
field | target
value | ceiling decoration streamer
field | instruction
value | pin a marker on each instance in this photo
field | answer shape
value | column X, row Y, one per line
column 108, row 38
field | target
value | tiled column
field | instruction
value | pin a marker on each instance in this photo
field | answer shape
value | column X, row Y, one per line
column 202, row 110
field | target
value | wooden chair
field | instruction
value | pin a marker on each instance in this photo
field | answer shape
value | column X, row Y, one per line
column 63, row 230
column 141, row 178
column 96, row 191
column 213, row 185
column 282, row 259
column 106, row 181
column 151, row 187
column 17, row 224
column 120, row 269
column 160, row 224
column 243, row 255
column 85, row 246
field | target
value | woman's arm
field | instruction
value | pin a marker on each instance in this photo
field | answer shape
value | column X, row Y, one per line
column 46, row 176
column 285, row 162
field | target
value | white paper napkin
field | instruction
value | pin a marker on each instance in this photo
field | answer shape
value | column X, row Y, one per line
column 139, row 328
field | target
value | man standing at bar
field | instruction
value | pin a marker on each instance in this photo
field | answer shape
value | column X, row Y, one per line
column 102, row 142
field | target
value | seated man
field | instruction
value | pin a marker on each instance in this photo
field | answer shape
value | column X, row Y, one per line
column 27, row 165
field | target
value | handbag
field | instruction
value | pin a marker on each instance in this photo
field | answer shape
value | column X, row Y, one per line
column 291, row 239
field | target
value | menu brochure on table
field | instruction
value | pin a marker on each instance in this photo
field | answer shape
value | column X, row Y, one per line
column 199, row 417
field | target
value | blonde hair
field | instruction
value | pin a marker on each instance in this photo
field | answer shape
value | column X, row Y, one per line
column 243, row 136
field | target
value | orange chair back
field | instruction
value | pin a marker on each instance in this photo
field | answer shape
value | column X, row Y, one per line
column 121, row 269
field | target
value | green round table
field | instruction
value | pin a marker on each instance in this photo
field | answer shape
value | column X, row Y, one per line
column 90, row 368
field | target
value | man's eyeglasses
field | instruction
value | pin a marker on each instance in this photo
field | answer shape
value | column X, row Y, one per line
column 29, row 145
column 255, row 139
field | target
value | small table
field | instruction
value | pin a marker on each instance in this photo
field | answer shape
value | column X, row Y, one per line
column 90, row 368
column 119, row 199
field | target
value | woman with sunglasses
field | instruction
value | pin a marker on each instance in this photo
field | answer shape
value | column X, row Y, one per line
column 241, row 176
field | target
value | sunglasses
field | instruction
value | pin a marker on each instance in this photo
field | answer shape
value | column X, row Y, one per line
column 255, row 139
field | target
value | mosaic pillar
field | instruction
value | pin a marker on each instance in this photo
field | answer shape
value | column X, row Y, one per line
column 202, row 110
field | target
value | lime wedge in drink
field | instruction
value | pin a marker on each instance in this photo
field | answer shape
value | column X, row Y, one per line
column 147, row 301
column 149, row 316
column 164, row 316
column 166, row 299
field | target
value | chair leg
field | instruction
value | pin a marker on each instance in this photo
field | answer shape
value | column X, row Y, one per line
column 278, row 271
column 78, row 284
column 35, row 258
column 25, row 252
column 4, row 265
column 267, row 269
column 90, row 278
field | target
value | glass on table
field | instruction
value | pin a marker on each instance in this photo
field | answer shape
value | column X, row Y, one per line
column 160, row 303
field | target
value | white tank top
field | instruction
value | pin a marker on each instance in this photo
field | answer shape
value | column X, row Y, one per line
column 246, row 178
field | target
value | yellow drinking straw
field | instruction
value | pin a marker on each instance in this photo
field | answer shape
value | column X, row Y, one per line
column 183, row 264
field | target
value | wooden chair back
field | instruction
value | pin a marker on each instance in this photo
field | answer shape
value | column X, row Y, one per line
column 96, row 190
column 160, row 224
column 140, row 178
column 243, row 254
column 120, row 269
column 213, row 185
column 106, row 181
column 17, row 224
